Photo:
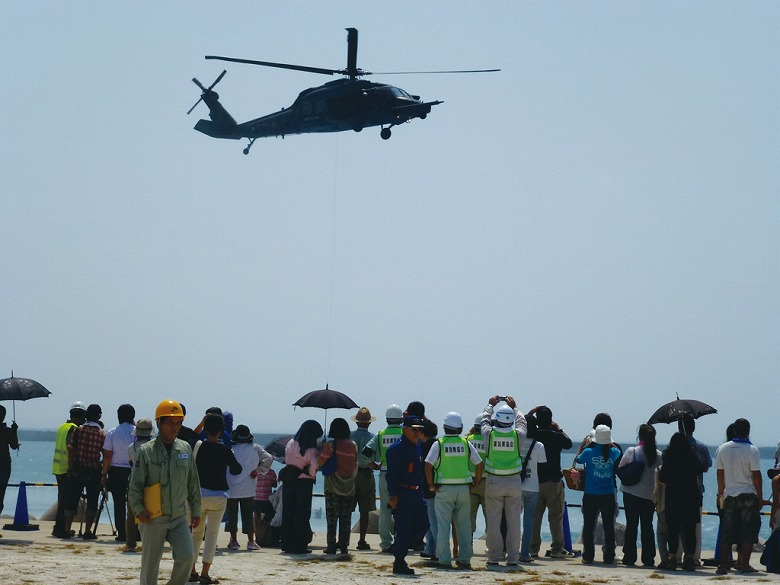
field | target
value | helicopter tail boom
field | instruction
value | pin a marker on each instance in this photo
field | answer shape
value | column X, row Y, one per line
column 215, row 130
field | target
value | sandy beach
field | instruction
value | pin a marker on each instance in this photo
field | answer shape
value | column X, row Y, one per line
column 35, row 557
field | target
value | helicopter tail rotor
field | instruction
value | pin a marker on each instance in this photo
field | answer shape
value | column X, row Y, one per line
column 205, row 90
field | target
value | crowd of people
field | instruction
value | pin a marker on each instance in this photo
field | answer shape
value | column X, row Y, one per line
column 180, row 484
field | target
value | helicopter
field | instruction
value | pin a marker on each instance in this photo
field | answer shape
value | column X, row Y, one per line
column 345, row 104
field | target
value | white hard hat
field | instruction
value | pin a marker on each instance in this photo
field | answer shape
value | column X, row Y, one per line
column 505, row 415
column 394, row 412
column 453, row 421
column 78, row 405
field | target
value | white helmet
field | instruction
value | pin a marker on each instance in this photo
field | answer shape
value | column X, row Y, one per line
column 394, row 412
column 505, row 415
column 453, row 421
column 78, row 405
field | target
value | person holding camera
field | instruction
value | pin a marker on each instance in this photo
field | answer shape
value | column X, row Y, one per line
column 504, row 429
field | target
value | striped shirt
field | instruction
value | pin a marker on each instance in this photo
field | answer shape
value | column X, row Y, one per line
column 265, row 484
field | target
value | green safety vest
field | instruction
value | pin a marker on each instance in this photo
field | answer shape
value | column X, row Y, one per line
column 479, row 446
column 452, row 468
column 503, row 453
column 60, row 464
column 385, row 438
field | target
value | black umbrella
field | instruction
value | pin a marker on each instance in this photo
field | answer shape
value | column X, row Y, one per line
column 677, row 409
column 21, row 389
column 325, row 399
column 276, row 447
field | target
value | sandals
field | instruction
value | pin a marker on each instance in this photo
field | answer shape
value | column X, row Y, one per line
column 194, row 578
column 207, row 580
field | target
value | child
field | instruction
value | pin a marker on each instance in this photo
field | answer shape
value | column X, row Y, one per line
column 263, row 509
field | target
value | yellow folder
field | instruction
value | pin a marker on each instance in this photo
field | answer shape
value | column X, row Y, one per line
column 153, row 500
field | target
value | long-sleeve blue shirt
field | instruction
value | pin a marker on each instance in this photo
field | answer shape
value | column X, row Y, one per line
column 404, row 466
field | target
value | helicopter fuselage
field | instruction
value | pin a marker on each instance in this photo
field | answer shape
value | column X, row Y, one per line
column 336, row 106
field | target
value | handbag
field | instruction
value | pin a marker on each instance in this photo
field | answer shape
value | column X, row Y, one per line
column 330, row 465
column 631, row 473
column 575, row 478
column 526, row 461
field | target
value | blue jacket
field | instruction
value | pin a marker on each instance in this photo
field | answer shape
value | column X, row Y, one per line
column 404, row 467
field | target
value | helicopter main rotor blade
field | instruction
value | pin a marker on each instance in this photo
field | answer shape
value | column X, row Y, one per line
column 434, row 72
column 277, row 65
column 352, row 47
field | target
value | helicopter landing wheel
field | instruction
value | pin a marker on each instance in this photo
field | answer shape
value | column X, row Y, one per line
column 248, row 146
column 385, row 133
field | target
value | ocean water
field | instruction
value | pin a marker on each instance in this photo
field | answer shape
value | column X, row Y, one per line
column 32, row 464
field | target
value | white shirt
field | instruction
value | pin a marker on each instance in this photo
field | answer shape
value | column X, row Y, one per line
column 646, row 486
column 117, row 441
column 738, row 462
column 538, row 455
column 243, row 485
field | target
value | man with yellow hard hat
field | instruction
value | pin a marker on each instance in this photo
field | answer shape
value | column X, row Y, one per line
column 165, row 470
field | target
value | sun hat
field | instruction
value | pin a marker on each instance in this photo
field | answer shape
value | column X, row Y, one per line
column 602, row 435
column 413, row 422
column 241, row 435
column 143, row 428
column 363, row 416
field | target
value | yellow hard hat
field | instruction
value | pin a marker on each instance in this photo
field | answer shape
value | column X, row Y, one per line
column 169, row 408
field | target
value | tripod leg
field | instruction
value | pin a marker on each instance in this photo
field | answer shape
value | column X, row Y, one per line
column 81, row 510
column 108, row 511
column 103, row 498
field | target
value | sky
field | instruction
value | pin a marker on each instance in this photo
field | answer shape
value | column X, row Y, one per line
column 594, row 228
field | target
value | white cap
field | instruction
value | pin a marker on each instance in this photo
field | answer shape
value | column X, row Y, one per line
column 602, row 435
column 453, row 421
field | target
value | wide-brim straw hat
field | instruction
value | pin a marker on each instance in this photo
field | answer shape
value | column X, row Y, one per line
column 363, row 416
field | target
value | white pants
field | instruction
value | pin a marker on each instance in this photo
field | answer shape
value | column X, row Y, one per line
column 212, row 509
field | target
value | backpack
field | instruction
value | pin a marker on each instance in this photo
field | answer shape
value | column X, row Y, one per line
column 771, row 555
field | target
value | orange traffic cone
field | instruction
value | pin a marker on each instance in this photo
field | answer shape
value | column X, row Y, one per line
column 21, row 518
